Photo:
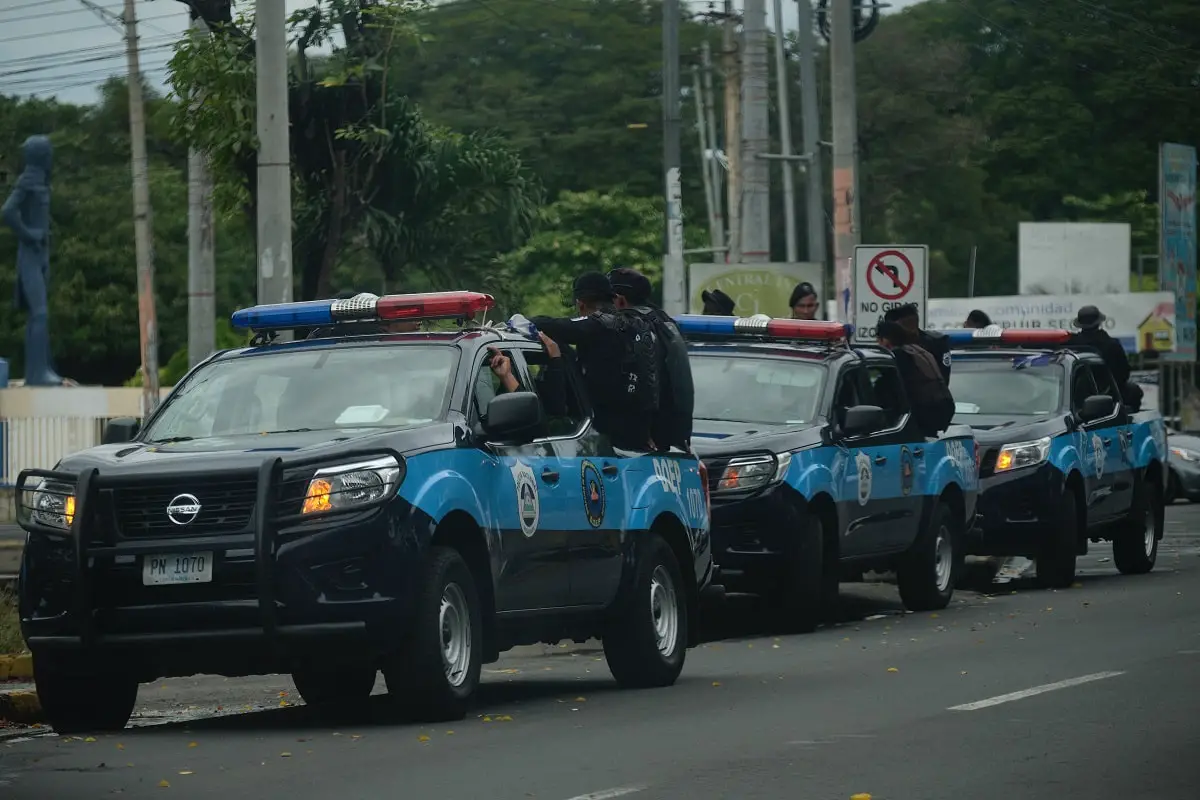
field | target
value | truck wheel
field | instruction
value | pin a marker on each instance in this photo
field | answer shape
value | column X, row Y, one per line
column 1135, row 549
column 434, row 674
column 927, row 573
column 645, row 636
column 808, row 588
column 75, row 699
column 1060, row 545
column 332, row 687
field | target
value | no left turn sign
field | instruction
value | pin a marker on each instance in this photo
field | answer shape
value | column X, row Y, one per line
column 887, row 276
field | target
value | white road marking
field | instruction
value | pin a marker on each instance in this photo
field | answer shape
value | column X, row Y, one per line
column 1036, row 690
column 605, row 794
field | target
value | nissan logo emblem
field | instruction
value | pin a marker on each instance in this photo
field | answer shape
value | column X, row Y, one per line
column 184, row 509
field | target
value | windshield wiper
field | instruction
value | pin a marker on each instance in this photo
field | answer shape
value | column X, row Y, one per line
column 294, row 430
column 171, row 440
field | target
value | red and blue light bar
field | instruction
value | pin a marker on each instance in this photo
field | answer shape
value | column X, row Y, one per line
column 762, row 325
column 363, row 307
column 996, row 336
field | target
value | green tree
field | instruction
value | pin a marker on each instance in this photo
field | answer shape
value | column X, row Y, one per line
column 368, row 169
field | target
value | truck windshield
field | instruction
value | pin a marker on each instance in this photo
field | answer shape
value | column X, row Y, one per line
column 773, row 391
column 310, row 390
column 1014, row 387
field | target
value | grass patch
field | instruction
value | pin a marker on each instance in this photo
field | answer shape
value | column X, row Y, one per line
column 10, row 625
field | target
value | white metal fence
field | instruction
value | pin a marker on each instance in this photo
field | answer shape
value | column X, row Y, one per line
column 40, row 442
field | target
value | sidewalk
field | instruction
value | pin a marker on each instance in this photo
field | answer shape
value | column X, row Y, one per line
column 12, row 539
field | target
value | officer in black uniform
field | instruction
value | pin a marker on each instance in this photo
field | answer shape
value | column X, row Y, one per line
column 937, row 344
column 601, row 336
column 1092, row 335
column 717, row 303
column 672, row 424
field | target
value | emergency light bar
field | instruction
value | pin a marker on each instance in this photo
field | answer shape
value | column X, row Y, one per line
column 762, row 325
column 995, row 336
column 364, row 307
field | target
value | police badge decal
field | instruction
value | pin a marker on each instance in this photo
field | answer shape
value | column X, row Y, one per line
column 529, row 507
column 862, row 463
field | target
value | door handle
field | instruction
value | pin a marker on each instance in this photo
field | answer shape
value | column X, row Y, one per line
column 920, row 451
column 1107, row 442
column 610, row 470
column 549, row 476
column 880, row 459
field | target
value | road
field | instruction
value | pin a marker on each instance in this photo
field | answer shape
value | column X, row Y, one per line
column 1088, row 692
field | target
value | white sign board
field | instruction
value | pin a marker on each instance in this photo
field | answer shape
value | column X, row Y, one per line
column 1059, row 258
column 885, row 277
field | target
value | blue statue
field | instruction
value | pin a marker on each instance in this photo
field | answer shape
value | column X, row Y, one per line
column 27, row 212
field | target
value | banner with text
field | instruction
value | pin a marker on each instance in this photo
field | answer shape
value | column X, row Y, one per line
column 755, row 288
column 1177, row 262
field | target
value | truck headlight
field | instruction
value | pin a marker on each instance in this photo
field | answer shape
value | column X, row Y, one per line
column 348, row 486
column 1185, row 455
column 753, row 472
column 53, row 504
column 1019, row 455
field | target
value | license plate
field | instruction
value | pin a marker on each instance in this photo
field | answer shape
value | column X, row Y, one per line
column 162, row 570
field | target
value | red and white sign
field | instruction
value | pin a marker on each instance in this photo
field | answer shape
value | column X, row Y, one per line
column 887, row 276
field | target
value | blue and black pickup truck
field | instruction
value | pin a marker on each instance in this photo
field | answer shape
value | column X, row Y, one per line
column 344, row 504
column 1063, row 461
column 817, row 470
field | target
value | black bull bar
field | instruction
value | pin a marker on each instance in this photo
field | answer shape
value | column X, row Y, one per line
column 266, row 524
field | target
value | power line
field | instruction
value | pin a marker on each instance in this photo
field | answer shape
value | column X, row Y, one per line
column 81, row 29
column 82, row 51
column 74, row 62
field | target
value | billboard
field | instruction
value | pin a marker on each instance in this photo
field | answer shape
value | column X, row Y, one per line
column 1073, row 257
column 755, row 288
column 1177, row 245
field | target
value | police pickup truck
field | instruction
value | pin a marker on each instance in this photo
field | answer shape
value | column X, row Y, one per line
column 339, row 505
column 816, row 469
column 1063, row 461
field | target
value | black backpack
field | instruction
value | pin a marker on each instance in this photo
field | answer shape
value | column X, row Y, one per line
column 639, row 357
column 932, row 403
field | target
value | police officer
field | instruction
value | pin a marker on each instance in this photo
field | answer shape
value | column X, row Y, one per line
column 717, row 303
column 977, row 319
column 672, row 425
column 615, row 348
column 936, row 344
column 929, row 395
column 1092, row 335
column 804, row 301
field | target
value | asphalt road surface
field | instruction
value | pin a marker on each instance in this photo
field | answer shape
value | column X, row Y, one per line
column 1090, row 692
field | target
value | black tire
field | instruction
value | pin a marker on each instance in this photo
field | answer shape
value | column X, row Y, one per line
column 418, row 674
column 75, row 699
column 335, row 687
column 1055, row 560
column 656, row 603
column 807, row 590
column 1135, row 549
column 927, row 573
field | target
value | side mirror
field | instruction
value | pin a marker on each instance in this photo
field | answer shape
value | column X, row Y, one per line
column 1098, row 406
column 514, row 417
column 120, row 430
column 862, row 419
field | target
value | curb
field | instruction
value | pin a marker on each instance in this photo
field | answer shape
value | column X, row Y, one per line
column 21, row 707
column 16, row 667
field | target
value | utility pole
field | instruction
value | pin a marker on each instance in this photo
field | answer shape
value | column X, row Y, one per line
column 142, row 220
column 202, row 309
column 814, row 204
column 846, row 227
column 702, row 131
column 710, row 123
column 274, row 155
column 756, row 141
column 784, row 88
column 674, row 292
column 732, row 67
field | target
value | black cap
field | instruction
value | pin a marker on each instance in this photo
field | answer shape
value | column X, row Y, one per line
column 1089, row 317
column 591, row 287
column 630, row 284
column 901, row 312
column 979, row 319
column 723, row 303
column 891, row 331
column 803, row 289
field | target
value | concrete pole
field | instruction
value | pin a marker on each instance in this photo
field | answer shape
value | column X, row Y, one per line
column 674, row 291
column 814, row 203
column 274, row 155
column 846, row 227
column 142, row 219
column 202, row 310
column 705, row 173
column 713, row 167
column 784, row 87
column 731, row 63
column 756, row 136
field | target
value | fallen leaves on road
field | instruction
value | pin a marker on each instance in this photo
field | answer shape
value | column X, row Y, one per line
column 893, row 669
column 580, row 699
column 193, row 744
column 186, row 772
column 90, row 739
column 164, row 785
column 422, row 738
column 860, row 796
column 120, row 746
column 716, row 683
column 285, row 755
